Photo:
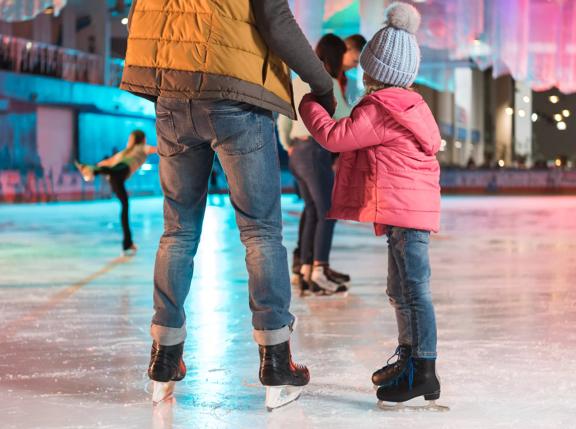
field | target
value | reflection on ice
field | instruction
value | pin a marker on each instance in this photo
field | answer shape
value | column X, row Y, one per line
column 74, row 325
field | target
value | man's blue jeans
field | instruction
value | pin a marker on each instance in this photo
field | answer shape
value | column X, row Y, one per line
column 409, row 290
column 190, row 132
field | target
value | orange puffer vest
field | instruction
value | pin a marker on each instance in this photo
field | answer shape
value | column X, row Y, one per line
column 203, row 49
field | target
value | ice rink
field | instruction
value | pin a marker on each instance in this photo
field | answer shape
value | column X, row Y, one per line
column 74, row 322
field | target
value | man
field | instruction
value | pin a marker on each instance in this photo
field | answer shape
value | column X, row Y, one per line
column 217, row 71
column 118, row 168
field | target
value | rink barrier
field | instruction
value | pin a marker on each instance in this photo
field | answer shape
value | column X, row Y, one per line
column 17, row 187
column 516, row 182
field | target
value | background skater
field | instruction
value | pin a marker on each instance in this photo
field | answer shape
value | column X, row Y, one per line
column 118, row 168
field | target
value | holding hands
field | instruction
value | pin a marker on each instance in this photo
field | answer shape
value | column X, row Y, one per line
column 327, row 101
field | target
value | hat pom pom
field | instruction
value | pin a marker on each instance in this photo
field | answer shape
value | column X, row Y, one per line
column 403, row 16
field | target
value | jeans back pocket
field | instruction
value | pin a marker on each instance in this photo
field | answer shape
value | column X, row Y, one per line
column 237, row 127
column 168, row 144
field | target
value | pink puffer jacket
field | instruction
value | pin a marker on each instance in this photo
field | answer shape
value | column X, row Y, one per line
column 388, row 173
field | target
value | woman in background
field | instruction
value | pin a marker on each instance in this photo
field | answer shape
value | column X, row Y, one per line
column 312, row 167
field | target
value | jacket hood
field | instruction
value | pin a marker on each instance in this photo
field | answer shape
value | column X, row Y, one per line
column 409, row 109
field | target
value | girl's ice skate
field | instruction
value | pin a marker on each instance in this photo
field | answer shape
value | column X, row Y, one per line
column 284, row 380
column 393, row 370
column 418, row 379
column 166, row 368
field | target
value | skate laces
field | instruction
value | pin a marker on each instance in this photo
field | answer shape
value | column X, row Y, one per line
column 408, row 373
column 396, row 353
column 411, row 371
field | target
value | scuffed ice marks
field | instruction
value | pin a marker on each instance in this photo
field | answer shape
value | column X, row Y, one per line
column 503, row 284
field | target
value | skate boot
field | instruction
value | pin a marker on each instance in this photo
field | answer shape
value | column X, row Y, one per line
column 418, row 379
column 283, row 378
column 305, row 280
column 86, row 171
column 337, row 277
column 166, row 367
column 393, row 370
column 296, row 278
column 322, row 285
column 131, row 251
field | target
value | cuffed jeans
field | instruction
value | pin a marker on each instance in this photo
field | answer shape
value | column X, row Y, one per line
column 190, row 132
column 409, row 289
column 312, row 167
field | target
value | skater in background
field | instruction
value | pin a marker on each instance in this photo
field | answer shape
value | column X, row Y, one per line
column 354, row 46
column 216, row 96
column 118, row 168
column 215, row 193
column 388, row 175
column 312, row 167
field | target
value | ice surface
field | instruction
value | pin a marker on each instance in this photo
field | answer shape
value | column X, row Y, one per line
column 74, row 322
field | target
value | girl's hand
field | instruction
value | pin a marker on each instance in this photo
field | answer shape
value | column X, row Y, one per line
column 328, row 102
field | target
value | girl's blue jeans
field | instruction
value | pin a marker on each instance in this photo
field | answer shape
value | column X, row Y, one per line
column 409, row 289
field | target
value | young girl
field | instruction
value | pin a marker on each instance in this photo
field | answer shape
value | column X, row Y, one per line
column 388, row 175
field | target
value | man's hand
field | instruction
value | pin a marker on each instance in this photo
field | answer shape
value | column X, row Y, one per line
column 328, row 102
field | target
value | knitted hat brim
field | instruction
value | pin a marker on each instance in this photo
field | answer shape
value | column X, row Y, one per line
column 382, row 72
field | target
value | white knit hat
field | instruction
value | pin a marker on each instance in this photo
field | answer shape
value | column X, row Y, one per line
column 393, row 54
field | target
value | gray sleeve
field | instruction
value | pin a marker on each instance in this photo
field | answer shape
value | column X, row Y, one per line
column 284, row 37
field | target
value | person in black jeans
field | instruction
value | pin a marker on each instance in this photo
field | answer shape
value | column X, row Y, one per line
column 312, row 166
column 118, row 168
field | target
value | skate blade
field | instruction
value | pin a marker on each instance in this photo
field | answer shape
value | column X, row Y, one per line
column 328, row 295
column 400, row 406
column 162, row 392
column 279, row 396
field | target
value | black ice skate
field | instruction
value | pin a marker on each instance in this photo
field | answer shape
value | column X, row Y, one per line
column 393, row 370
column 304, row 287
column 296, row 277
column 283, row 378
column 418, row 379
column 165, row 369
